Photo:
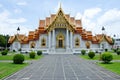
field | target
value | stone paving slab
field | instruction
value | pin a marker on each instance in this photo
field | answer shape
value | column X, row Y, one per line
column 63, row 67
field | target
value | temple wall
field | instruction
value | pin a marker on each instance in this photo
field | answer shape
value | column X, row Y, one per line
column 40, row 38
column 16, row 46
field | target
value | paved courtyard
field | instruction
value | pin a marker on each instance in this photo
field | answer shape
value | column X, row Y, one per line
column 63, row 67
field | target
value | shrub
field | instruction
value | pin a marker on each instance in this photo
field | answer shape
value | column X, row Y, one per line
column 26, row 52
column 20, row 49
column 107, row 57
column 91, row 54
column 39, row 52
column 18, row 59
column 106, row 50
column 118, row 52
column 32, row 54
column 115, row 50
column 14, row 51
column 4, row 52
column 83, row 52
column 96, row 51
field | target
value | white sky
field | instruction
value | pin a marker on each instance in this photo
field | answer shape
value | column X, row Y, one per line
column 26, row 14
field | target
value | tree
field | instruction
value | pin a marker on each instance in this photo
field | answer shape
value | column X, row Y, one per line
column 4, row 41
column 113, row 41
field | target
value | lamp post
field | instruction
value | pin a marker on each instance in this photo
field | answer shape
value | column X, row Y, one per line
column 18, row 29
column 103, row 30
column 114, row 38
column 114, row 35
column 103, row 33
column 6, row 41
column 102, row 45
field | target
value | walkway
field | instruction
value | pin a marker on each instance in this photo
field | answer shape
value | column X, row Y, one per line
column 63, row 67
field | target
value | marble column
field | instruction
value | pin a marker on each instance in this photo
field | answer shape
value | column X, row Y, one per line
column 67, row 38
column 49, row 39
column 53, row 39
column 71, row 40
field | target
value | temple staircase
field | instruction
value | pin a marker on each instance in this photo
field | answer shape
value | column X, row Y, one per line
column 61, row 51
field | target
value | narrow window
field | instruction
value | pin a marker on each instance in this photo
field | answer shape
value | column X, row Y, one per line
column 77, row 42
column 43, row 42
column 32, row 45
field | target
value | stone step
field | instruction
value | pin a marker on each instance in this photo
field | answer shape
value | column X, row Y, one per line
column 60, row 50
column 60, row 53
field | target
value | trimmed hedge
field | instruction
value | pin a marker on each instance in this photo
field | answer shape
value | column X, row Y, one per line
column 32, row 54
column 39, row 53
column 83, row 52
column 118, row 52
column 5, row 52
column 18, row 59
column 14, row 51
column 115, row 50
column 107, row 57
column 91, row 54
column 106, row 50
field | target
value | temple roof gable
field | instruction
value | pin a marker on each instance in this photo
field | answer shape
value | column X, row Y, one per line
column 60, row 21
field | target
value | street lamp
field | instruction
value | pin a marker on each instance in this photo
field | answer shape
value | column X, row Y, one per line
column 102, row 45
column 18, row 29
column 103, row 30
column 6, row 40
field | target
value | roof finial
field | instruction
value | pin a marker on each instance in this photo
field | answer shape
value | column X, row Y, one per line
column 60, row 5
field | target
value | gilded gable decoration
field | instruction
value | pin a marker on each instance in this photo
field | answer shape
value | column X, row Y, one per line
column 32, row 45
column 87, row 44
column 43, row 42
column 77, row 42
column 60, row 21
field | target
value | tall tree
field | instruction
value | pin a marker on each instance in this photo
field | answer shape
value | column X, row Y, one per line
column 4, row 40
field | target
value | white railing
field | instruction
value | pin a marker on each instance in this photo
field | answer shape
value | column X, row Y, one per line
column 78, row 50
column 74, row 50
column 44, row 50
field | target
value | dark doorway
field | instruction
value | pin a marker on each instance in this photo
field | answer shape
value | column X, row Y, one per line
column 60, row 43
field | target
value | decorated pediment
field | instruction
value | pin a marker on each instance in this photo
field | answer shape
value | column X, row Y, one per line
column 60, row 21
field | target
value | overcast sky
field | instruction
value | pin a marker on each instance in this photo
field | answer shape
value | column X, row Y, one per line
column 93, row 13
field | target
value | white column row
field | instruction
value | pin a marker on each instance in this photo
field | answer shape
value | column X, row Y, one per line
column 51, row 39
column 69, row 39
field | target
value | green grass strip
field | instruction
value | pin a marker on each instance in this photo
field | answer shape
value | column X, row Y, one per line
column 7, row 69
column 97, row 57
column 114, row 66
column 10, row 57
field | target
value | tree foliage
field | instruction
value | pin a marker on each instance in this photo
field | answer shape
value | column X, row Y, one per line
column 4, row 40
column 113, row 41
column 107, row 57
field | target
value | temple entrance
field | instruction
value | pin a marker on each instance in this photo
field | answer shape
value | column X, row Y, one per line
column 60, row 45
column 60, row 41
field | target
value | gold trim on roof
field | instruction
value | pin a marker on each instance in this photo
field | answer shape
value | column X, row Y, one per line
column 60, row 21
